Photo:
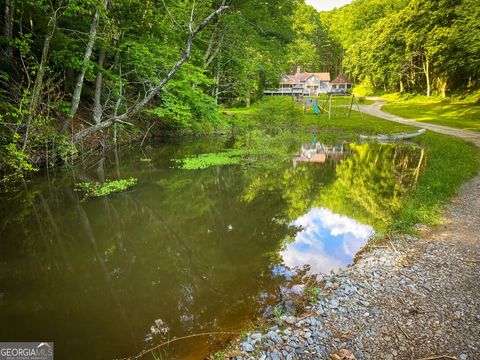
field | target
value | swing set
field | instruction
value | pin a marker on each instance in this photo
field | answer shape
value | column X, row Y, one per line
column 334, row 104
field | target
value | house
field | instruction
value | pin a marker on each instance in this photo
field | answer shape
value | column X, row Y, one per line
column 341, row 84
column 302, row 84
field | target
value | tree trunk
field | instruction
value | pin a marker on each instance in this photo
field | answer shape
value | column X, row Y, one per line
column 402, row 88
column 8, row 26
column 426, row 70
column 86, row 58
column 216, row 88
column 97, row 98
column 443, row 87
column 37, row 87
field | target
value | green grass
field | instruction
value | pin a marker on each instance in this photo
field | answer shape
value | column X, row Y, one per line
column 436, row 111
column 449, row 161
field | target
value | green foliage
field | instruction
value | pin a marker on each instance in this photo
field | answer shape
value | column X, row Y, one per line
column 445, row 172
column 220, row 355
column 203, row 161
column 313, row 294
column 408, row 45
column 91, row 190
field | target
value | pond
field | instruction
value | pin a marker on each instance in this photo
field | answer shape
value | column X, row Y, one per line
column 184, row 251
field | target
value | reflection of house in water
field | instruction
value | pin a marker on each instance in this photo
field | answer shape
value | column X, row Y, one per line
column 320, row 153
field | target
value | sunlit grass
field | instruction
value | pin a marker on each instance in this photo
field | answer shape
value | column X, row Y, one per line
column 462, row 116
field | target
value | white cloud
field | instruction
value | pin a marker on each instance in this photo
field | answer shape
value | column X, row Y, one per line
column 326, row 5
column 327, row 241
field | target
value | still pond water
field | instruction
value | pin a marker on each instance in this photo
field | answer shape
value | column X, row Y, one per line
column 192, row 250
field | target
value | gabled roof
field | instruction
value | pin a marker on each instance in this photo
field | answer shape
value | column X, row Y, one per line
column 341, row 79
column 304, row 76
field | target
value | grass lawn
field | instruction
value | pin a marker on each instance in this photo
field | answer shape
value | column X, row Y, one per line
column 457, row 115
column 449, row 161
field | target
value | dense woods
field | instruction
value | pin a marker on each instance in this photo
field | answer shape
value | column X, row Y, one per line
column 93, row 72
column 424, row 46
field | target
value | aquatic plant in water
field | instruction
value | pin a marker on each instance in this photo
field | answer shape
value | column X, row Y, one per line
column 203, row 161
column 94, row 189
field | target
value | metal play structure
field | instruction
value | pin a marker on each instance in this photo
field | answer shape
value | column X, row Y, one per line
column 335, row 104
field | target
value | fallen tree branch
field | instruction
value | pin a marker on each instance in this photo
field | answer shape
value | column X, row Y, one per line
column 150, row 95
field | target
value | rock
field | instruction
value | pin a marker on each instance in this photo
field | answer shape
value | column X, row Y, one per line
column 247, row 347
column 463, row 357
column 256, row 336
column 290, row 320
column 274, row 356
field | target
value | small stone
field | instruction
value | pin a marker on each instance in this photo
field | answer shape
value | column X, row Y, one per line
column 247, row 347
column 256, row 336
column 389, row 357
column 290, row 320
column 463, row 356
column 274, row 356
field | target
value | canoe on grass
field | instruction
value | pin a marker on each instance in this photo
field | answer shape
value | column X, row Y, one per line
column 393, row 137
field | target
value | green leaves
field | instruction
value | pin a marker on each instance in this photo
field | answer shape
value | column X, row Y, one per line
column 91, row 190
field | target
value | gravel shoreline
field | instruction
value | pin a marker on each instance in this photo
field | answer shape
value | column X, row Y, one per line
column 418, row 298
column 417, row 301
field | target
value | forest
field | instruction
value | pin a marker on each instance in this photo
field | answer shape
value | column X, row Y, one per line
column 77, row 75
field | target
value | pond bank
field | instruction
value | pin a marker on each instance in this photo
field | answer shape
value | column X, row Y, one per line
column 416, row 298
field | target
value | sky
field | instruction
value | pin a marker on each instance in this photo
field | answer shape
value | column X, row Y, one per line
column 327, row 241
column 325, row 5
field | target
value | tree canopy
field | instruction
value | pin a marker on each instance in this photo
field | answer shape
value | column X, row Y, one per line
column 100, row 70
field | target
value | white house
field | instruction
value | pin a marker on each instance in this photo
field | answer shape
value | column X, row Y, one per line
column 341, row 83
column 303, row 84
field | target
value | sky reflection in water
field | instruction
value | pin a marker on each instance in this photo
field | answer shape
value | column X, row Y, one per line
column 326, row 241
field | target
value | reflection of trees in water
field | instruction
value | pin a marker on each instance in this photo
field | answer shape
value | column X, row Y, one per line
column 163, row 250
column 370, row 184
column 367, row 183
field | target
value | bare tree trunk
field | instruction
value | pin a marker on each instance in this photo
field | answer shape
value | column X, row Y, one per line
column 426, row 70
column 97, row 98
column 150, row 95
column 216, row 87
column 8, row 25
column 211, row 53
column 86, row 58
column 118, row 102
column 37, row 87
column 443, row 87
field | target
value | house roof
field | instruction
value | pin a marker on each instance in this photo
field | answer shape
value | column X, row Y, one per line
column 341, row 79
column 304, row 76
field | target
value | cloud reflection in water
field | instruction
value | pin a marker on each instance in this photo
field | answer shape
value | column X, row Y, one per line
column 326, row 241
